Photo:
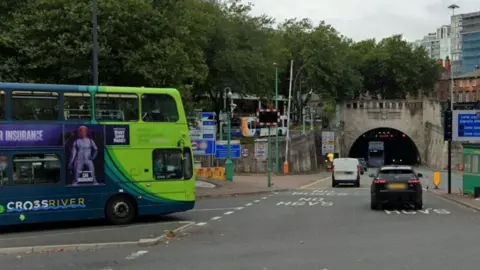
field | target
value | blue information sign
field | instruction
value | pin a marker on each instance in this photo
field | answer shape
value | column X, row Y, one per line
column 222, row 149
column 203, row 147
column 204, row 137
column 466, row 125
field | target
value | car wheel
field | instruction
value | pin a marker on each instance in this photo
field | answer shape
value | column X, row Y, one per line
column 418, row 205
column 374, row 205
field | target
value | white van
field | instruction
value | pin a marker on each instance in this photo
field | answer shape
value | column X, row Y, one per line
column 346, row 171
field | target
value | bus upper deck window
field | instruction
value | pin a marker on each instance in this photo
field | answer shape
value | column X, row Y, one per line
column 159, row 108
column 77, row 106
column 2, row 104
column 35, row 105
column 116, row 107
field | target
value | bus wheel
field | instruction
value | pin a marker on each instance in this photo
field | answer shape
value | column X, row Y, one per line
column 120, row 210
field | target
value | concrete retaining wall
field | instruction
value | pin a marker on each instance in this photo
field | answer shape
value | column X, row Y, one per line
column 302, row 157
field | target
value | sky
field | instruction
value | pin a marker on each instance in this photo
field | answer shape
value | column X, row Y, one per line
column 363, row 19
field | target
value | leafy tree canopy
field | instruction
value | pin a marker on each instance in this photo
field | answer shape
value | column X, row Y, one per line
column 202, row 48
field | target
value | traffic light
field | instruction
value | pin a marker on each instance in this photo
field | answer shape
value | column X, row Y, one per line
column 447, row 125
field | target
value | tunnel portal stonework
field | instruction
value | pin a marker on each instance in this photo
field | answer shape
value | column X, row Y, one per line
column 418, row 119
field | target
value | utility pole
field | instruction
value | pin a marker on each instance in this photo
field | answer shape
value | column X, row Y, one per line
column 285, row 164
column 277, row 145
column 449, row 142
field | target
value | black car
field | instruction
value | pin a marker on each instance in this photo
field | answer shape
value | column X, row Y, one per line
column 363, row 164
column 396, row 185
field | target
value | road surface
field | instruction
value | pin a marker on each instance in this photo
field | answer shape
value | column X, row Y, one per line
column 313, row 228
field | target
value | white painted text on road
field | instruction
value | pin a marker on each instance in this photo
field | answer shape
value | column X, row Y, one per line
column 311, row 201
column 426, row 211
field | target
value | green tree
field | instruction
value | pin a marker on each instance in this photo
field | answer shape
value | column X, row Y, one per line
column 138, row 43
column 237, row 52
column 393, row 68
column 326, row 62
column 201, row 48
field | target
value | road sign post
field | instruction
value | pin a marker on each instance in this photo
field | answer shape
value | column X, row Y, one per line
column 269, row 118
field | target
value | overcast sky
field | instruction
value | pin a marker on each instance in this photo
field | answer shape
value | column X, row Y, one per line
column 362, row 19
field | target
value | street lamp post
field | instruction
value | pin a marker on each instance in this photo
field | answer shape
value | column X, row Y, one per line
column 449, row 142
column 94, row 43
column 277, row 146
column 222, row 113
column 228, row 162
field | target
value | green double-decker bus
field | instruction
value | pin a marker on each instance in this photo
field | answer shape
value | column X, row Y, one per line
column 70, row 152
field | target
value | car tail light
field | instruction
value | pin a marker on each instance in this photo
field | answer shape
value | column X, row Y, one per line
column 379, row 181
column 415, row 181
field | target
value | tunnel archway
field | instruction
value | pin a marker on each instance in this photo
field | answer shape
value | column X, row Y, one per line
column 399, row 147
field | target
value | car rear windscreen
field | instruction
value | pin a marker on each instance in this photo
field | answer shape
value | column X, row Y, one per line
column 397, row 174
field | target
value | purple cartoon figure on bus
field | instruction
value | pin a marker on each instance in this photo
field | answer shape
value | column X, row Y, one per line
column 84, row 154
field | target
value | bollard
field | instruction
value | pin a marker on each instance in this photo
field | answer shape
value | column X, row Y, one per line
column 285, row 167
column 436, row 179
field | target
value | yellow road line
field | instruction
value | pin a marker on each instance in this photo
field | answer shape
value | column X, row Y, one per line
column 314, row 183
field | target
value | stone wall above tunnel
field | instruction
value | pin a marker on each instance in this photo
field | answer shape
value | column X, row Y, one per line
column 407, row 116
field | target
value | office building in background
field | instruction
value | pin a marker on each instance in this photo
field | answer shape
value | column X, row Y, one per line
column 463, row 35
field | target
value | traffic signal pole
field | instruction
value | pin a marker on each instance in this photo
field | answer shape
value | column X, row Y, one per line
column 447, row 136
column 449, row 167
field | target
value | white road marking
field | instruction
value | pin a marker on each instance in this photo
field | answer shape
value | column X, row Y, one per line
column 216, row 218
column 135, row 255
column 248, row 204
column 201, row 224
column 107, row 268
column 228, row 213
column 239, row 208
column 256, row 201
column 264, row 198
column 212, row 209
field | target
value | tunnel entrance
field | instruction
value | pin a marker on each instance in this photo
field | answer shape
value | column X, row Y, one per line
column 398, row 147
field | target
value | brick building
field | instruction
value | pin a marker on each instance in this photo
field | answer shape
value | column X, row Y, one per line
column 466, row 87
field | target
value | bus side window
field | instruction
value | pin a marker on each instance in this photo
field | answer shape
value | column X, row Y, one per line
column 116, row 107
column 34, row 169
column 77, row 106
column 2, row 104
column 32, row 105
column 167, row 164
column 3, row 169
column 159, row 108
column 187, row 166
